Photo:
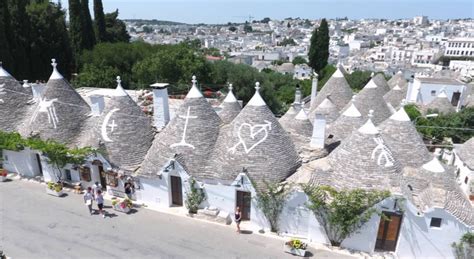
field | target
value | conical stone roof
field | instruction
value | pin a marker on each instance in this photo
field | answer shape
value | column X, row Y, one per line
column 338, row 88
column 61, row 112
column 191, row 134
column 350, row 120
column 466, row 153
column 254, row 141
column 14, row 99
column 124, row 130
column 371, row 98
column 434, row 185
column 382, row 84
column 364, row 160
column 326, row 108
column 230, row 107
column 404, row 140
column 397, row 79
column 441, row 104
column 290, row 115
column 395, row 96
column 300, row 129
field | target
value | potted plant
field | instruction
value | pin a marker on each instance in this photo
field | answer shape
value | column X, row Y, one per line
column 55, row 189
column 122, row 206
column 295, row 247
column 3, row 175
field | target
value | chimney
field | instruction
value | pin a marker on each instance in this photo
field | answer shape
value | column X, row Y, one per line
column 161, row 110
column 314, row 88
column 37, row 90
column 297, row 95
column 319, row 131
column 97, row 104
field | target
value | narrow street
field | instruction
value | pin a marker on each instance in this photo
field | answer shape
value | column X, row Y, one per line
column 36, row 225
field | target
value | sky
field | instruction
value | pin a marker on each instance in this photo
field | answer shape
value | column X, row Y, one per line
column 223, row 11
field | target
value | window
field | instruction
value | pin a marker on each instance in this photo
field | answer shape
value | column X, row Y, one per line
column 466, row 180
column 67, row 172
column 433, row 92
column 85, row 174
column 435, row 222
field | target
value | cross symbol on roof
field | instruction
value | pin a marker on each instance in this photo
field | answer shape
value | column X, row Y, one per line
column 112, row 126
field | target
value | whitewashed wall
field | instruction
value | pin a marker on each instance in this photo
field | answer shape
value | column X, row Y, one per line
column 418, row 240
column 464, row 172
column 23, row 162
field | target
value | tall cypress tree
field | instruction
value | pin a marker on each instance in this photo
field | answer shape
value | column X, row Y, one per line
column 87, row 29
column 99, row 21
column 319, row 49
column 5, row 36
column 20, row 38
column 75, row 28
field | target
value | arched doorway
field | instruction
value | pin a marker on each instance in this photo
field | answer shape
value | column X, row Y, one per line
column 102, row 176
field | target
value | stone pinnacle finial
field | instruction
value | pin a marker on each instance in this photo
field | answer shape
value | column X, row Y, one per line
column 353, row 98
column 371, row 114
column 403, row 102
column 257, row 86
column 1, row 63
column 119, row 81
column 53, row 63
column 25, row 84
column 230, row 87
column 372, row 75
column 194, row 80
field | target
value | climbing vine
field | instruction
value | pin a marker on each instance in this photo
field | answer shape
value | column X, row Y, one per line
column 57, row 154
column 342, row 213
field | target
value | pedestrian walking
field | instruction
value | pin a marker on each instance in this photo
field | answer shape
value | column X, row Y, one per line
column 129, row 189
column 97, row 187
column 88, row 198
column 100, row 202
column 238, row 218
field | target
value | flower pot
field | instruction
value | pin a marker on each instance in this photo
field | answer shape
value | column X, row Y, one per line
column 122, row 209
column 294, row 251
column 54, row 192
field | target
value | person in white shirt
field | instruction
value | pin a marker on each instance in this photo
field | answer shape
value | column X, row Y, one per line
column 88, row 199
column 97, row 187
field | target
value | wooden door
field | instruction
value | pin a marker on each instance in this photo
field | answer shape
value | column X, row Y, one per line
column 176, row 191
column 455, row 99
column 103, row 178
column 388, row 232
column 244, row 201
column 38, row 159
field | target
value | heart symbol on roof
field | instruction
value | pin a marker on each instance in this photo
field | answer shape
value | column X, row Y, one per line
column 255, row 134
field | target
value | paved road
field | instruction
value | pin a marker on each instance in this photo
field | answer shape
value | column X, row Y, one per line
column 36, row 225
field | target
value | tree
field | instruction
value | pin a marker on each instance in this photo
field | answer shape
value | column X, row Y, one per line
column 288, row 25
column 48, row 17
column 20, row 38
column 232, row 28
column 194, row 197
column 344, row 212
column 358, row 79
column 5, row 36
column 299, row 60
column 287, row 41
column 271, row 200
column 75, row 28
column 116, row 29
column 87, row 27
column 247, row 28
column 319, row 48
column 99, row 21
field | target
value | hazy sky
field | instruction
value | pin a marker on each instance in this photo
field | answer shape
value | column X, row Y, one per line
column 223, row 11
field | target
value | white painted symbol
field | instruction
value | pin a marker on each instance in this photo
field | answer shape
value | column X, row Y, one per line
column 384, row 153
column 106, row 124
column 254, row 131
column 47, row 107
column 183, row 139
column 2, row 92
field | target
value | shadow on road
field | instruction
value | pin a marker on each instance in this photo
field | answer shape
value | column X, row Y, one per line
column 7, row 180
column 247, row 232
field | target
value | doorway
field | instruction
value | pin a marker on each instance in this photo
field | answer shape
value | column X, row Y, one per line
column 102, row 176
column 387, row 235
column 244, row 201
column 38, row 160
column 455, row 98
column 176, row 191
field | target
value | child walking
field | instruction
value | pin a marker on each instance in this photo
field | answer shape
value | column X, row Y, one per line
column 88, row 198
column 100, row 203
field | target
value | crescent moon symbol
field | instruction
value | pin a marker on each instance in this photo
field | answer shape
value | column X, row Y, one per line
column 104, row 125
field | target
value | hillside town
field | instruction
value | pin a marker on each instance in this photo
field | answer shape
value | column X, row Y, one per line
column 342, row 173
column 414, row 46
